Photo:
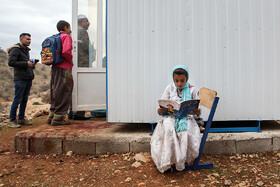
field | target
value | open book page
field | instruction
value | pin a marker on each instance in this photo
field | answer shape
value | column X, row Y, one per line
column 169, row 104
column 187, row 107
column 179, row 109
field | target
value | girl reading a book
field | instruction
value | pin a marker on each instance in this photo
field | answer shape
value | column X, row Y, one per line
column 175, row 142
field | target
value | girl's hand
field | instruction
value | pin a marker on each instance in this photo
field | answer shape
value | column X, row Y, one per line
column 161, row 110
column 197, row 111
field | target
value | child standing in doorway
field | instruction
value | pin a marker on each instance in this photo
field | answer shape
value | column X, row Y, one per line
column 175, row 142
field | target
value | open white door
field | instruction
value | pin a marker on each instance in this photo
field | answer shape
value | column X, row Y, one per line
column 89, row 55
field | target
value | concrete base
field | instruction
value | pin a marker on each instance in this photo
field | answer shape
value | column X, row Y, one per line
column 98, row 137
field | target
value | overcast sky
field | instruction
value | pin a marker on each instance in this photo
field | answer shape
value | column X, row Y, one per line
column 37, row 17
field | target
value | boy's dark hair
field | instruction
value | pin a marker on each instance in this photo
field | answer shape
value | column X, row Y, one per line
column 61, row 24
column 24, row 34
column 180, row 71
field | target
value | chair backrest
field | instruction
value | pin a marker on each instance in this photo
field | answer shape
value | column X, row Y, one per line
column 207, row 97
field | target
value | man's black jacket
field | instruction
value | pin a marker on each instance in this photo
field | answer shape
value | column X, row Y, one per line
column 18, row 57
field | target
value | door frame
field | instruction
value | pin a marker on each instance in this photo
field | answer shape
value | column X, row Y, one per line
column 99, row 51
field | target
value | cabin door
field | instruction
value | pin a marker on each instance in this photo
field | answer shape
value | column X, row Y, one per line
column 89, row 55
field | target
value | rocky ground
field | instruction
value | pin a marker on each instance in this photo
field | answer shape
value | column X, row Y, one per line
column 35, row 107
column 127, row 169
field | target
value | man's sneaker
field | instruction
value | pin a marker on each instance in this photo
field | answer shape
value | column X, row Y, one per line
column 13, row 124
column 24, row 122
column 59, row 120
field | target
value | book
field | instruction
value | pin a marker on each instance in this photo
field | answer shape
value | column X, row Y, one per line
column 179, row 109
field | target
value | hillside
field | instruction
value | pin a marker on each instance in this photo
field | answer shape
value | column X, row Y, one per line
column 40, row 83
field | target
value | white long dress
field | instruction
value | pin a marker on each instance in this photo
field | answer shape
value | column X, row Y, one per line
column 170, row 148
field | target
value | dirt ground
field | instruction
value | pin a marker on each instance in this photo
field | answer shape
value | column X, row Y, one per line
column 260, row 169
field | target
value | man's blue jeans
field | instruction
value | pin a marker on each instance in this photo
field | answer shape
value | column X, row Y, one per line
column 22, row 90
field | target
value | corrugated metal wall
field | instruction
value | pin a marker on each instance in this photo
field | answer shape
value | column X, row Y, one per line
column 231, row 46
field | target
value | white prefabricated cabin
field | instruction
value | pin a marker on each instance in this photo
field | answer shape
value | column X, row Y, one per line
column 231, row 46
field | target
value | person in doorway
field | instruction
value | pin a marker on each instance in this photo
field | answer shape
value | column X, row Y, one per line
column 23, row 76
column 175, row 142
column 61, row 85
column 84, row 49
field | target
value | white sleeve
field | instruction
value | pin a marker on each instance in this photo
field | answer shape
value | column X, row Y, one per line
column 194, row 93
column 166, row 93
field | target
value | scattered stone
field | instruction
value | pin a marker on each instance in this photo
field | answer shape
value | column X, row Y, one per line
column 136, row 164
column 173, row 181
column 115, row 161
column 69, row 153
column 276, row 185
column 1, row 185
column 81, row 179
column 216, row 175
column 35, row 100
column 260, row 183
column 128, row 179
column 117, row 171
column 37, row 114
column 242, row 184
column 227, row 183
column 126, row 154
column 126, row 158
column 202, row 185
column 255, row 170
column 238, row 170
column 141, row 184
column 141, row 157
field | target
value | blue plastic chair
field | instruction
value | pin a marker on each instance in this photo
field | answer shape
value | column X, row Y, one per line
column 196, row 164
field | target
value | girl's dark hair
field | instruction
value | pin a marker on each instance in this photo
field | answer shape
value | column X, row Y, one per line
column 61, row 24
column 180, row 71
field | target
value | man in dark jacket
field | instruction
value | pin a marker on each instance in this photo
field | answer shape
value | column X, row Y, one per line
column 23, row 76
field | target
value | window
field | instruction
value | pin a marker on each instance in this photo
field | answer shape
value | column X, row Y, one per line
column 91, row 39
